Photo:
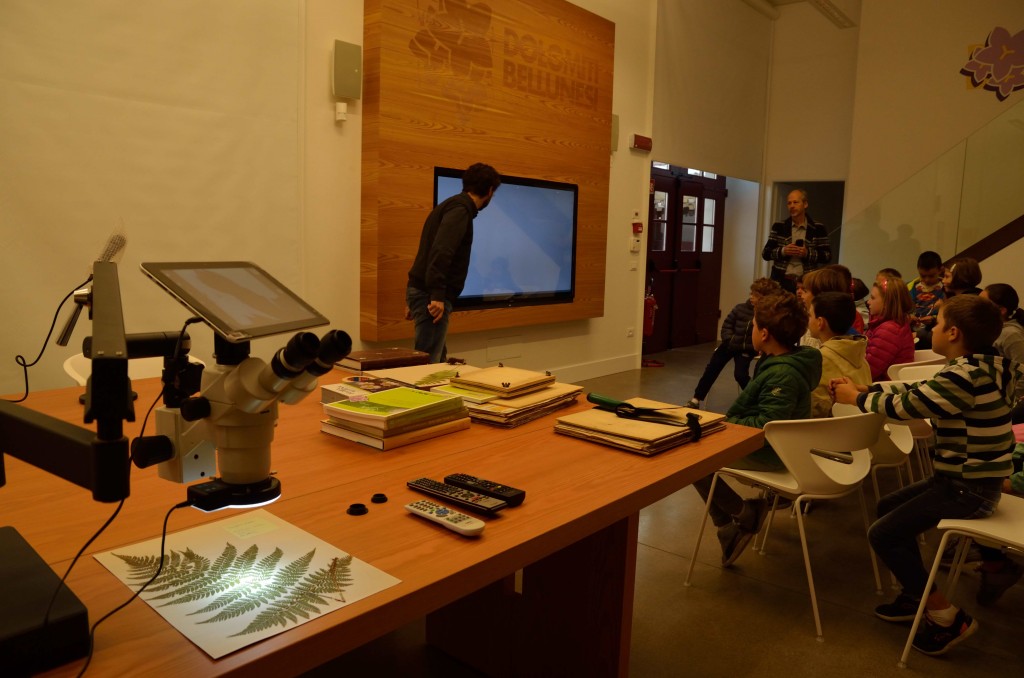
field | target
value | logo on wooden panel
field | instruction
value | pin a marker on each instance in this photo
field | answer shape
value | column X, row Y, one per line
column 456, row 48
column 455, row 51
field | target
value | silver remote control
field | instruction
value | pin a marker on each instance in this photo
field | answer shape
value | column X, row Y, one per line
column 468, row 526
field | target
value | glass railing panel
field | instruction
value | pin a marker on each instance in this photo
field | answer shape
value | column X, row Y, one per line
column 964, row 195
column 919, row 214
column 993, row 193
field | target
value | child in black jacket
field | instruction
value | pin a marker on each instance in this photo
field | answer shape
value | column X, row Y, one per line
column 736, row 343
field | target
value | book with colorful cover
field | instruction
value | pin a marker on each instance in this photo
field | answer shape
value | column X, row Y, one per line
column 356, row 388
column 329, row 426
column 367, row 429
column 423, row 376
column 393, row 407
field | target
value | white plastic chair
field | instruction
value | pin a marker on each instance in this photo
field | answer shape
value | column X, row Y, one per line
column 891, row 450
column 922, row 355
column 824, row 459
column 1004, row 527
column 896, row 372
column 78, row 367
column 920, row 429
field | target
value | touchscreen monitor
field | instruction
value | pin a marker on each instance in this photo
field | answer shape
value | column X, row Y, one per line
column 238, row 299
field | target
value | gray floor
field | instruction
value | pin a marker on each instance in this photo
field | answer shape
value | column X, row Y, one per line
column 754, row 619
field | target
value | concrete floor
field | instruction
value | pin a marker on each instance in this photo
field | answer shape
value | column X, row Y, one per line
column 754, row 619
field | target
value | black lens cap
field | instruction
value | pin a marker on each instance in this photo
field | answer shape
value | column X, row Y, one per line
column 357, row 510
column 379, row 498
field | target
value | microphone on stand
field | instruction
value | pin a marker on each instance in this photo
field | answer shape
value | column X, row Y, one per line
column 112, row 251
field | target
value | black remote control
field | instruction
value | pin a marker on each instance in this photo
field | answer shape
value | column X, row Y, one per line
column 511, row 495
column 474, row 501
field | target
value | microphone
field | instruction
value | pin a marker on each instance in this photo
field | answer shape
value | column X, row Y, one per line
column 112, row 251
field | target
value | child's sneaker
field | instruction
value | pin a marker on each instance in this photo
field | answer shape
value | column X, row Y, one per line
column 994, row 584
column 693, row 404
column 903, row 609
column 935, row 640
column 733, row 540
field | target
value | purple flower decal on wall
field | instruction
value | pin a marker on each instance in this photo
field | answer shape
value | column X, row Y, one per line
column 999, row 65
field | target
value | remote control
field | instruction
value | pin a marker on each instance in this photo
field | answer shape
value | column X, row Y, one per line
column 511, row 495
column 467, row 526
column 474, row 501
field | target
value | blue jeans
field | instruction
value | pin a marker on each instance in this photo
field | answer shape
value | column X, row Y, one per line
column 908, row 512
column 429, row 336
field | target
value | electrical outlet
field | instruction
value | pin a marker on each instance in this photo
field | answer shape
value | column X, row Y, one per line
column 629, row 331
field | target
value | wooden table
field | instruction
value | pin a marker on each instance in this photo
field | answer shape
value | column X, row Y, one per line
column 573, row 542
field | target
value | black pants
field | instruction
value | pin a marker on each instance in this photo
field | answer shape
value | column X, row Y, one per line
column 719, row 359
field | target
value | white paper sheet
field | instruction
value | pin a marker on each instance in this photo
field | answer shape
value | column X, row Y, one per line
column 237, row 581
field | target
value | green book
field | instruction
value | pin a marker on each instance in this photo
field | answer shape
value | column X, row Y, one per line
column 393, row 407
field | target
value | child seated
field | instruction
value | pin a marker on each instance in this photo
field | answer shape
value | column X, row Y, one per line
column 842, row 354
column 890, row 341
column 925, row 292
column 968, row 399
column 781, row 389
column 736, row 343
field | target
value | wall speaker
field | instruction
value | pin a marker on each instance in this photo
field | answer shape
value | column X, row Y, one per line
column 347, row 75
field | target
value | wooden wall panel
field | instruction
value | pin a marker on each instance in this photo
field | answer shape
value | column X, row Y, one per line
column 523, row 85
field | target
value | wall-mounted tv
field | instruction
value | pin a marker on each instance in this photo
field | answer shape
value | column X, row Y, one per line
column 524, row 242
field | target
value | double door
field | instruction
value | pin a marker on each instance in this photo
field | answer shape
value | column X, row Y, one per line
column 684, row 258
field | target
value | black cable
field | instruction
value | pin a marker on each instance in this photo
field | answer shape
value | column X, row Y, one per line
column 163, row 542
column 20, row 359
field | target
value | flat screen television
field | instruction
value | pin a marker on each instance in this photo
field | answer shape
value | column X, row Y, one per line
column 524, row 242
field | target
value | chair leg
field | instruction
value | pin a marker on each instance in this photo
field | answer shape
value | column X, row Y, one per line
column 959, row 559
column 700, row 532
column 902, row 663
column 768, row 527
column 807, row 567
column 874, row 482
column 871, row 551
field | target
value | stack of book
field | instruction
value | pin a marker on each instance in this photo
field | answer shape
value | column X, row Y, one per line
column 358, row 362
column 512, row 412
column 423, row 376
column 507, row 382
column 393, row 417
column 636, row 435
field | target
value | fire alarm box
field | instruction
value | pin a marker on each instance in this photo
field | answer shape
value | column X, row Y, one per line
column 638, row 226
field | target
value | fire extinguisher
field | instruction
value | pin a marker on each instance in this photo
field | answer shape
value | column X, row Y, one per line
column 650, row 307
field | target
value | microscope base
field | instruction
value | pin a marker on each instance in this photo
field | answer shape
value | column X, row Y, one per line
column 214, row 495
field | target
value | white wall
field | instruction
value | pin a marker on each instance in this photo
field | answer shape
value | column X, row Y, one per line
column 710, row 86
column 911, row 102
column 208, row 127
column 176, row 120
column 912, row 110
column 811, row 111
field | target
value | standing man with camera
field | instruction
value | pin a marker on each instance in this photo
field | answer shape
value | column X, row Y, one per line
column 796, row 245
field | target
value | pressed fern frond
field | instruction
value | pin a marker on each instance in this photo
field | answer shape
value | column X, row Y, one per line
column 306, row 599
column 252, row 597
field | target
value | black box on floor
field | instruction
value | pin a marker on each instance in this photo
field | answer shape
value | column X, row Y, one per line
column 26, row 586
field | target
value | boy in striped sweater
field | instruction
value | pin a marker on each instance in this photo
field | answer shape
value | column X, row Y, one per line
column 969, row 401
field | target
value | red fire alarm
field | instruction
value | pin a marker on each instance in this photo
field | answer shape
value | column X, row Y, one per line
column 641, row 143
